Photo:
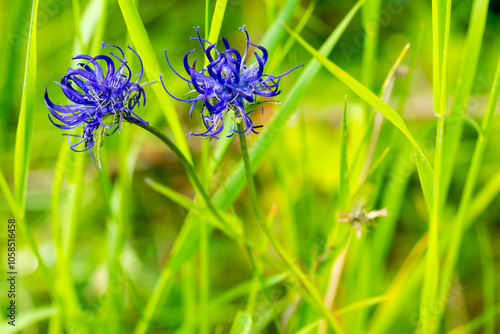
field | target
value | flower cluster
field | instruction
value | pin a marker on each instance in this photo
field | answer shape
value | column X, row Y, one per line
column 227, row 84
column 101, row 99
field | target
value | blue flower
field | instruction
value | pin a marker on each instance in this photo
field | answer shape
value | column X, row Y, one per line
column 227, row 84
column 101, row 99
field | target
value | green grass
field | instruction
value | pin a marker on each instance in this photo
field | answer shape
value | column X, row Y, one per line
column 260, row 233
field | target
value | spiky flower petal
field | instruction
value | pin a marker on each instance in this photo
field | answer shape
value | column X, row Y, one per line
column 102, row 99
column 227, row 84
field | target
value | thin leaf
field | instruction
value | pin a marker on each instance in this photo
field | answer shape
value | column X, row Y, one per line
column 465, row 79
column 220, row 9
column 172, row 194
column 459, row 225
column 145, row 49
column 361, row 304
column 28, row 318
column 9, row 197
column 26, row 123
column 488, row 274
column 260, row 104
column 344, row 171
column 242, row 323
column 275, row 32
column 476, row 322
column 483, row 198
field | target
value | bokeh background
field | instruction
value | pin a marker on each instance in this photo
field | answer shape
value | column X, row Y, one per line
column 299, row 177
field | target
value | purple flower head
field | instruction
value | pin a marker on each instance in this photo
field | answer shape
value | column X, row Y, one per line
column 101, row 99
column 227, row 84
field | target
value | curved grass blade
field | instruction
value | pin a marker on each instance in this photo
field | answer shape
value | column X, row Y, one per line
column 361, row 91
column 28, row 318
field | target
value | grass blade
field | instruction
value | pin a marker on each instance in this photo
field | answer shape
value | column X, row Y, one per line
column 26, row 124
column 275, row 32
column 470, row 186
column 220, row 9
column 29, row 318
column 361, row 91
column 344, row 171
column 172, row 194
column 465, row 79
column 242, row 324
column 145, row 49
column 488, row 273
column 484, row 197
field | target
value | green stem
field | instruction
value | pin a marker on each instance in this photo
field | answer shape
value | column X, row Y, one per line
column 187, row 165
column 308, row 286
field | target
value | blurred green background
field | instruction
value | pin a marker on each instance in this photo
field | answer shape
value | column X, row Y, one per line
column 299, row 175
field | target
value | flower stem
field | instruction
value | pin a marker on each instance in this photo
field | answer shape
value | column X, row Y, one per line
column 187, row 165
column 308, row 286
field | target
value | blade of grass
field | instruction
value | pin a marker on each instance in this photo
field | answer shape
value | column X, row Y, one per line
column 242, row 323
column 217, row 18
column 76, row 19
column 65, row 287
column 392, row 191
column 344, row 170
column 26, row 123
column 440, row 34
column 278, row 60
column 352, row 307
column 275, row 32
column 471, row 326
column 360, row 90
column 204, row 251
column 29, row 318
column 373, row 126
column 361, row 304
column 370, row 17
column 172, row 194
column 488, row 271
column 9, row 197
column 144, row 47
column 465, row 78
column 24, row 136
column 470, row 185
column 484, row 197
